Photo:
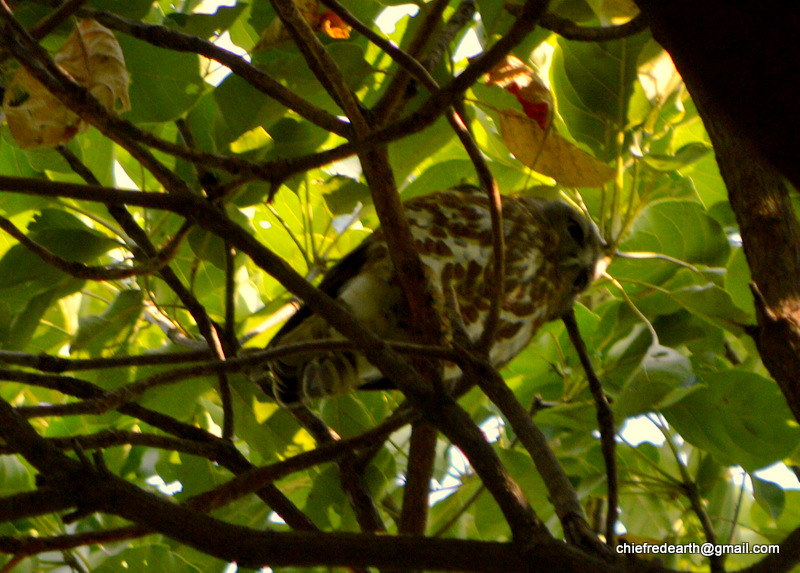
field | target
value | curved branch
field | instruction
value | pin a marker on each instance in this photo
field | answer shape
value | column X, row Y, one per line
column 110, row 438
column 26, row 546
column 320, row 62
column 571, row 31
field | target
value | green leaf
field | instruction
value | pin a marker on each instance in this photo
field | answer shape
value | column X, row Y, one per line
column 100, row 331
column 664, row 377
column 62, row 234
column 135, row 9
column 714, row 304
column 594, row 83
column 208, row 247
column 769, row 496
column 410, row 153
column 14, row 476
column 739, row 417
column 29, row 318
column 326, row 501
column 702, row 298
column 287, row 65
column 343, row 194
column 679, row 229
column 241, row 108
column 161, row 92
column 737, row 282
column 206, row 25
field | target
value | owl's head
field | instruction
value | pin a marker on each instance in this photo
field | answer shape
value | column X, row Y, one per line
column 575, row 248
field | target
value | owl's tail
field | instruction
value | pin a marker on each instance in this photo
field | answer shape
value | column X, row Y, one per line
column 330, row 374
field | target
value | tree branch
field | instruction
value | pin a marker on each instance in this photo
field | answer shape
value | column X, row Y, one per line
column 605, row 422
column 98, row 273
column 164, row 37
column 571, row 31
column 562, row 493
column 41, row 66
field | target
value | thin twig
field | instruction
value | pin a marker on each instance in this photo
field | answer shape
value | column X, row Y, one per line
column 351, row 471
column 58, row 364
column 321, row 63
column 111, row 400
column 395, row 94
column 111, row 438
column 139, row 237
column 99, row 273
column 256, row 478
column 689, row 487
column 605, row 421
column 562, row 493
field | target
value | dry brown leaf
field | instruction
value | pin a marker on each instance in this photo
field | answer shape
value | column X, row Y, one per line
column 530, row 90
column 36, row 118
column 93, row 58
column 550, row 154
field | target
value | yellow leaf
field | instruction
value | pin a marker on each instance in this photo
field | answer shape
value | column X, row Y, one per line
column 550, row 154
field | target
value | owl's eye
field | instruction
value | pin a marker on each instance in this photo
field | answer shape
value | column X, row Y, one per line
column 581, row 281
column 575, row 230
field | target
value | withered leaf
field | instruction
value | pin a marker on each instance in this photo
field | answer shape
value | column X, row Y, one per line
column 550, row 154
column 36, row 118
column 93, row 58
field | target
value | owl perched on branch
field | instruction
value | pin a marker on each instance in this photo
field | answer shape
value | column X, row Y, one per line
column 551, row 253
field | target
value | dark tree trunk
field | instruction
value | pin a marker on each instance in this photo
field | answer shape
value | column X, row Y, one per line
column 739, row 61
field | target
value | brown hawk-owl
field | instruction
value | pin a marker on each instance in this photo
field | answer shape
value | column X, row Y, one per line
column 551, row 253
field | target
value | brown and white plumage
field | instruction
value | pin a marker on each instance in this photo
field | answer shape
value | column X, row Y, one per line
column 551, row 253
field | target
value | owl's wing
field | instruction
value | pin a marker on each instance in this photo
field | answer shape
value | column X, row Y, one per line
column 313, row 375
column 331, row 284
